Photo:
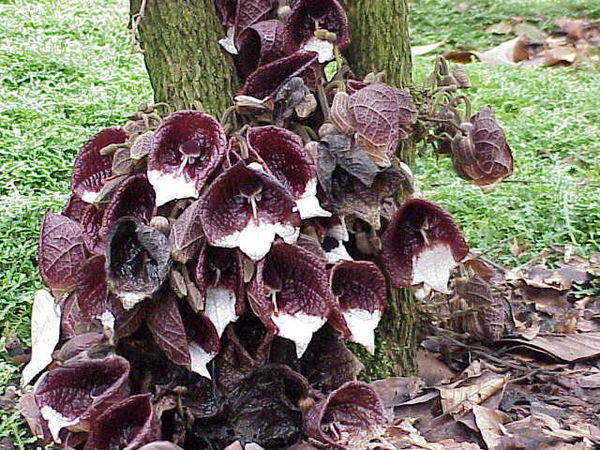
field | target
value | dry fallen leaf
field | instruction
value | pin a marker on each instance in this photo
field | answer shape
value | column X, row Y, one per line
column 570, row 347
column 424, row 49
column 490, row 421
column 458, row 399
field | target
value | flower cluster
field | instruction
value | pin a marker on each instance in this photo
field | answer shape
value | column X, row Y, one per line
column 203, row 277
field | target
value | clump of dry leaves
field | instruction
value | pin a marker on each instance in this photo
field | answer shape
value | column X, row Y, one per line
column 510, row 360
column 573, row 42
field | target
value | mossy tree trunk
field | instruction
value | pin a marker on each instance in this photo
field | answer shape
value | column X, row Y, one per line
column 186, row 65
column 380, row 41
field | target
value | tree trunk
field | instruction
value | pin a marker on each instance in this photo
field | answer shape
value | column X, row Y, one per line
column 186, row 65
column 380, row 41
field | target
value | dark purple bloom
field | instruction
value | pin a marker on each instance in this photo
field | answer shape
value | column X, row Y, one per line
column 422, row 243
column 187, row 148
column 91, row 168
column 245, row 207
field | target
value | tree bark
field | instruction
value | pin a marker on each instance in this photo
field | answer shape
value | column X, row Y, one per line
column 380, row 41
column 186, row 64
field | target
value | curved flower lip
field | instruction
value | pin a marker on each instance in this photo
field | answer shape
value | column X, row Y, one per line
column 290, row 293
column 383, row 116
column 422, row 243
column 204, row 341
column 137, row 260
column 73, row 394
column 135, row 197
column 245, row 207
column 91, row 223
column 307, row 15
column 267, row 79
column 483, row 157
column 60, row 252
column 90, row 167
column 220, row 280
column 359, row 287
column 354, row 408
column 283, row 154
column 258, row 45
column 187, row 148
column 131, row 423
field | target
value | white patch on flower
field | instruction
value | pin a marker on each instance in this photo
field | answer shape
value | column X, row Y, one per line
column 248, row 100
column 200, row 359
column 298, row 328
column 308, row 205
column 107, row 319
column 171, row 186
column 45, row 333
column 228, row 42
column 407, row 170
column 89, row 196
column 130, row 299
column 323, row 48
column 56, row 421
column 362, row 324
column 219, row 307
column 432, row 266
column 339, row 232
column 338, row 254
column 255, row 239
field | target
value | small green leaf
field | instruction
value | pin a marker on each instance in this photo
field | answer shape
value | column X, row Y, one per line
column 330, row 70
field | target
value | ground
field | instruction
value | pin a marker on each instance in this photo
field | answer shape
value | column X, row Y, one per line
column 67, row 70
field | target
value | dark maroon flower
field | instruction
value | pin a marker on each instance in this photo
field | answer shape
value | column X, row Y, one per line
column 245, row 207
column 61, row 251
column 187, row 147
column 74, row 394
column 137, row 260
column 91, row 168
column 308, row 16
column 75, row 208
column 483, row 155
column 383, row 116
column 91, row 289
column 349, row 417
column 220, row 280
column 284, row 156
column 359, row 287
column 203, row 341
column 290, row 293
column 238, row 16
column 126, row 425
column 422, row 244
column 260, row 44
column 91, row 221
column 267, row 79
column 134, row 197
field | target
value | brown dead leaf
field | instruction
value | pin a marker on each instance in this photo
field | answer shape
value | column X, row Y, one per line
column 396, row 390
column 490, row 421
column 569, row 347
column 424, row 49
column 565, row 55
column 508, row 53
column 460, row 56
column 505, row 26
column 517, row 247
column 431, row 369
column 458, row 399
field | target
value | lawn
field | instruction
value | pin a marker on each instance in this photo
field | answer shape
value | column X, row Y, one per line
column 67, row 70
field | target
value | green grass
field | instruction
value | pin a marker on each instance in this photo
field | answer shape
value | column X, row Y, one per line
column 66, row 70
column 551, row 118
